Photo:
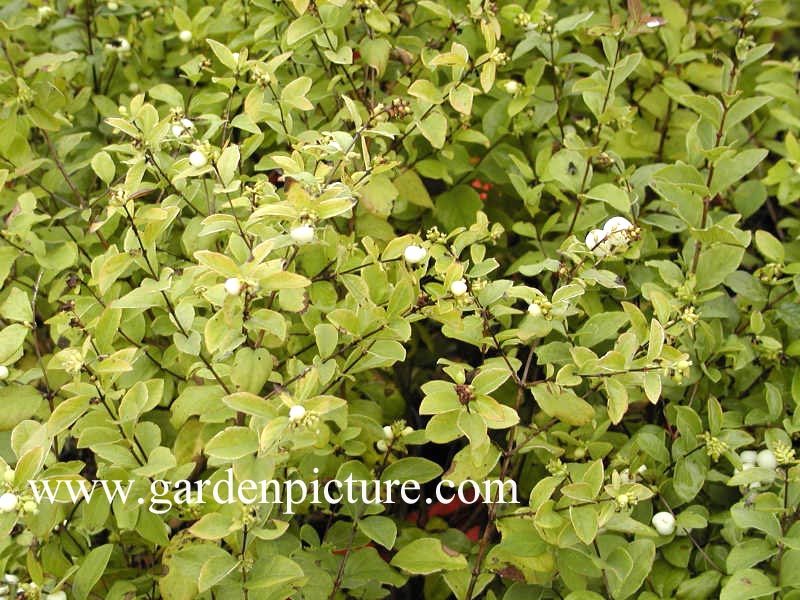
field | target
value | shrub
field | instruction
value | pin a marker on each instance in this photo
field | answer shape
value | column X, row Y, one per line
column 551, row 244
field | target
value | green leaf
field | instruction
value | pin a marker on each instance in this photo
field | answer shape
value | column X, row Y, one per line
column 233, row 443
column 434, row 128
column 381, row 530
column 103, row 166
column 730, row 169
column 425, row 90
column 427, row 555
column 769, row 246
column 563, row 404
column 19, row 402
column 584, row 520
column 747, row 584
column 90, row 571
column 612, row 195
column 302, row 28
column 294, row 94
column 411, row 189
column 11, row 339
column 412, row 468
column 457, row 207
column 228, row 164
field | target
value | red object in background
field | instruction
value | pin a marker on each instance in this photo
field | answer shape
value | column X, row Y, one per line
column 447, row 511
column 483, row 196
column 356, row 54
column 477, row 184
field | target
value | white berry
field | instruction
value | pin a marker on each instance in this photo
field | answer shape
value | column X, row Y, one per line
column 664, row 523
column 534, row 310
column 8, row 502
column 233, row 286
column 3, row 371
column 616, row 225
column 766, row 459
column 112, row 6
column 387, row 432
column 302, row 234
column 511, row 86
column 594, row 237
column 748, row 457
column 381, row 445
column 458, row 287
column 296, row 413
column 185, row 36
column 197, row 159
column 414, row 254
column 178, row 130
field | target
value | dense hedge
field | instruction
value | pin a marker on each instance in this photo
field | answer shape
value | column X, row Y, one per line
column 312, row 240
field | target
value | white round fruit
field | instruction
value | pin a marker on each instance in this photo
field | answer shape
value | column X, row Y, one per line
column 302, row 234
column 511, row 86
column 387, row 432
column 748, row 457
column 112, row 6
column 534, row 310
column 458, row 287
column 381, row 445
column 178, row 130
column 616, row 225
column 296, row 413
column 766, row 459
column 8, row 502
column 664, row 523
column 185, row 36
column 414, row 254
column 233, row 286
column 197, row 159
column 594, row 238
column 3, row 371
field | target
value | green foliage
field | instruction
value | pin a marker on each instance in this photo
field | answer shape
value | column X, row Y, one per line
column 305, row 240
